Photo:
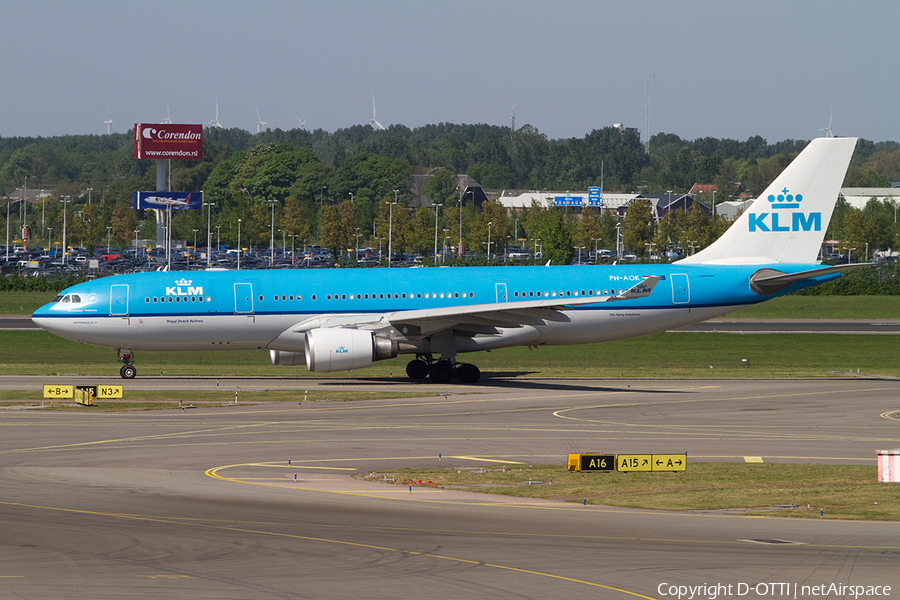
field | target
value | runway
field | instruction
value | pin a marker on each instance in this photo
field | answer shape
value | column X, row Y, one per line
column 203, row 503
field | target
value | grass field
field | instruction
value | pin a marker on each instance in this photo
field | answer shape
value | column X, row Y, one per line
column 839, row 491
column 683, row 355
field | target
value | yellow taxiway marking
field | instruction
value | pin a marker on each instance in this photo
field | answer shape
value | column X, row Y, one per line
column 323, row 540
column 753, row 459
column 507, row 462
column 893, row 415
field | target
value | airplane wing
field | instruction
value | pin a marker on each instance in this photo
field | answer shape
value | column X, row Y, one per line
column 475, row 318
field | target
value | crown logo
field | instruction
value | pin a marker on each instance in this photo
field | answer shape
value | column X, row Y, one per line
column 785, row 200
column 183, row 282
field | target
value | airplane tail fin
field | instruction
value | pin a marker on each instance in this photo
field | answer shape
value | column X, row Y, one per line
column 787, row 222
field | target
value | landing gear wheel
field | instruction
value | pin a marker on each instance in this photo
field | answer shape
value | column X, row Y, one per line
column 417, row 369
column 441, row 372
column 467, row 373
column 127, row 372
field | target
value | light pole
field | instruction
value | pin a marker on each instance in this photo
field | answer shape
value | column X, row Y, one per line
column 489, row 240
column 595, row 240
column 444, row 251
column 218, row 236
column 208, row 230
column 357, row 246
column 8, row 202
column 437, row 210
column 50, row 239
column 293, row 258
column 322, row 195
column 65, row 200
column 239, row 245
column 89, row 190
column 25, row 213
column 272, row 239
column 109, row 238
column 136, row 242
column 460, row 249
column 391, row 228
column 618, row 237
column 41, row 198
column 195, row 242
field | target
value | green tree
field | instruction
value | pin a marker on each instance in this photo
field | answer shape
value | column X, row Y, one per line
column 638, row 227
column 123, row 222
column 296, row 219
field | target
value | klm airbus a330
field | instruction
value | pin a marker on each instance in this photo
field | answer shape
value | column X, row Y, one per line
column 342, row 319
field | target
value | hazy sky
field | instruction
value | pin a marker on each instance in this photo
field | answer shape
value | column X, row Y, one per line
column 720, row 68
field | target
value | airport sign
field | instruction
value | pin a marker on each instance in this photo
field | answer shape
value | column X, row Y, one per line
column 168, row 140
column 592, row 462
column 634, row 462
column 669, row 462
column 59, row 391
column 173, row 200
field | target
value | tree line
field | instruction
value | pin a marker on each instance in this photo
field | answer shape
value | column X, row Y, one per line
column 362, row 186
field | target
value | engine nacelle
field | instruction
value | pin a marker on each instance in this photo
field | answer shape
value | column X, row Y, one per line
column 336, row 349
column 287, row 359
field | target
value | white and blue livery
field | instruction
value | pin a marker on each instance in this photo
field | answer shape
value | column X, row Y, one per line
column 343, row 319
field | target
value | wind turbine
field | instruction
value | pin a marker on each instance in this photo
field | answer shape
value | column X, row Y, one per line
column 827, row 130
column 108, row 121
column 375, row 124
column 302, row 123
column 215, row 122
column 259, row 122
column 168, row 118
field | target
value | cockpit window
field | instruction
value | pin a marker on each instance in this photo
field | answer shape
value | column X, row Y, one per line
column 76, row 299
column 66, row 299
column 58, row 298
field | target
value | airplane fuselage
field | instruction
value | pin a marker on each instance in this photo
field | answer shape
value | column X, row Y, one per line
column 208, row 310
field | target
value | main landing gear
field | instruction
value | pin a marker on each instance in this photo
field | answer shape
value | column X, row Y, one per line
column 442, row 371
column 127, row 371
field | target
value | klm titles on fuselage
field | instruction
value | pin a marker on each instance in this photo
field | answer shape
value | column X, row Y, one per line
column 183, row 288
column 798, row 222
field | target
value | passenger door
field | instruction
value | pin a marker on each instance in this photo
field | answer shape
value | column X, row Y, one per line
column 243, row 298
column 118, row 299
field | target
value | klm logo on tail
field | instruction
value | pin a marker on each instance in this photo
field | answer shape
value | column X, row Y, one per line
column 784, row 201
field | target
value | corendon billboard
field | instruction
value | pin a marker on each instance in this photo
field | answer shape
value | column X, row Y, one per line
column 166, row 140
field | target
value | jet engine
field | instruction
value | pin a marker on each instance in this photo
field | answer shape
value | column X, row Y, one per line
column 287, row 359
column 336, row 349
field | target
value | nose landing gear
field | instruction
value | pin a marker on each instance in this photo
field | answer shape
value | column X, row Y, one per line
column 127, row 371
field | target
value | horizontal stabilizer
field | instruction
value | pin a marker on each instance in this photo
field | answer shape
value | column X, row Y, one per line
column 770, row 281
